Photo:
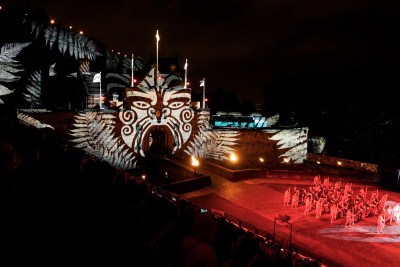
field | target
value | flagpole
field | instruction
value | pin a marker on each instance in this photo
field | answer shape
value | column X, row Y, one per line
column 132, row 79
column 156, row 74
column 186, row 66
column 100, row 93
column 204, row 91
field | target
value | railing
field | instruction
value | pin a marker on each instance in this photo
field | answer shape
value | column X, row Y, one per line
column 283, row 243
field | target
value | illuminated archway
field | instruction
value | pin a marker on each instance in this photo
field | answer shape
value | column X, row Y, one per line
column 158, row 140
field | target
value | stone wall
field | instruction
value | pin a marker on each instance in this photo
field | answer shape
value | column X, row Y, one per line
column 251, row 144
column 325, row 160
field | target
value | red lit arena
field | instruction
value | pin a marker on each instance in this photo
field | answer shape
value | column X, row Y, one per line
column 259, row 203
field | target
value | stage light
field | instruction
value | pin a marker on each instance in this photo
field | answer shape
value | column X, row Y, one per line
column 195, row 165
column 233, row 157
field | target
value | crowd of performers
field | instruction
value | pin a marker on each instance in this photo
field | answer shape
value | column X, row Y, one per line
column 340, row 201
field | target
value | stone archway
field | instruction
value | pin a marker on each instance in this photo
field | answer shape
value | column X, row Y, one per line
column 157, row 144
column 159, row 141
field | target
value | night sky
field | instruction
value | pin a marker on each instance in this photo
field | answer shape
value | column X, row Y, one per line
column 242, row 46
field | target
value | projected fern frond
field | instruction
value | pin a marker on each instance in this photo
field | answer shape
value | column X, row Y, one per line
column 28, row 120
column 77, row 45
column 94, row 133
column 52, row 71
column 84, row 66
column 62, row 40
column 112, row 62
column 36, row 28
column 34, row 88
column 9, row 51
column 5, row 91
column 288, row 139
column 126, row 65
column 294, row 140
column 115, row 80
column 271, row 121
column 9, row 66
column 296, row 154
column 53, row 37
column 115, row 63
column 214, row 144
column 6, row 74
column 138, row 63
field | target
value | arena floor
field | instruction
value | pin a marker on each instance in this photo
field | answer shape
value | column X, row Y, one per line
column 259, row 201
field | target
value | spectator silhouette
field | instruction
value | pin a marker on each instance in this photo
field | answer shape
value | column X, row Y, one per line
column 197, row 248
column 246, row 252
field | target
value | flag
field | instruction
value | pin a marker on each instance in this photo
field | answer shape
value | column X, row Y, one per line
column 97, row 78
column 186, row 65
column 158, row 37
column 202, row 82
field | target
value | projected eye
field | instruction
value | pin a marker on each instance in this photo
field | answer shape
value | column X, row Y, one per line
column 176, row 104
column 141, row 104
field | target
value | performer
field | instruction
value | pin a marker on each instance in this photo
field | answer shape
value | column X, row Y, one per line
column 334, row 212
column 308, row 205
column 349, row 218
column 396, row 212
column 388, row 213
column 380, row 223
column 286, row 197
column 295, row 200
column 382, row 202
column 318, row 208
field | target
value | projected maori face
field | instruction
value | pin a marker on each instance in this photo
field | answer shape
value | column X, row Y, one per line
column 149, row 108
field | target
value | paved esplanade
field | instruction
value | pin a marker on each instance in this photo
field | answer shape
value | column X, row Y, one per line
column 258, row 201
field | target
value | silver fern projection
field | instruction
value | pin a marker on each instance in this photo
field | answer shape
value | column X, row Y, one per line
column 215, row 144
column 94, row 133
column 28, row 120
column 9, row 67
column 77, row 45
column 34, row 90
column 295, row 140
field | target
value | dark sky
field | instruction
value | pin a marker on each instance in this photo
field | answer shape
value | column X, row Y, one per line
column 242, row 46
